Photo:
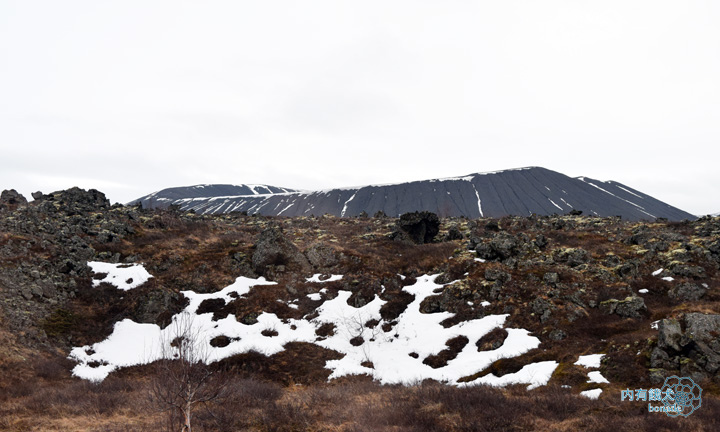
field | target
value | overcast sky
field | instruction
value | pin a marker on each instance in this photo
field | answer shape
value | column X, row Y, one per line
column 130, row 97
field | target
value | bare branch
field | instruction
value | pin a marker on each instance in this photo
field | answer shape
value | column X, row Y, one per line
column 183, row 379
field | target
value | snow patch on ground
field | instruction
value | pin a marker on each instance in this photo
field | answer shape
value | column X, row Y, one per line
column 590, row 360
column 591, row 394
column 129, row 344
column 123, row 276
column 596, row 377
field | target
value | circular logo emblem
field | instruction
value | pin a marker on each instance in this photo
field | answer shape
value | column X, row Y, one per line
column 681, row 396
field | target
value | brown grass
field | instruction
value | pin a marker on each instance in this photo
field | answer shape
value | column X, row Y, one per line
column 56, row 402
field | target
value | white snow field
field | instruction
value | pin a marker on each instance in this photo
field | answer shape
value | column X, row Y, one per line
column 396, row 356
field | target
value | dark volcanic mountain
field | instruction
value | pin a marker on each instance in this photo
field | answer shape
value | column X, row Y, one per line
column 522, row 191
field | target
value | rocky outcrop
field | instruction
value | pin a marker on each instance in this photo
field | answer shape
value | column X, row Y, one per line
column 275, row 254
column 501, row 247
column 630, row 307
column 322, row 256
column 417, row 227
column 44, row 249
column 573, row 257
column 694, row 352
column 10, row 199
column 74, row 201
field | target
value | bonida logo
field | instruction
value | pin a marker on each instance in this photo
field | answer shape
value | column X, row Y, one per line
column 678, row 396
column 683, row 394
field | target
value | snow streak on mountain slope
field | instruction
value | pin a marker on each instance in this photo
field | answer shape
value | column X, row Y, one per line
column 167, row 196
column 521, row 191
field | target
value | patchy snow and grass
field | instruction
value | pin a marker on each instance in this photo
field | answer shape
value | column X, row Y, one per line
column 416, row 333
column 590, row 360
column 240, row 287
column 123, row 276
column 396, row 355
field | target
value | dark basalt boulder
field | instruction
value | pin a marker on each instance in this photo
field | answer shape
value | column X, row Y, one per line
column 275, row 253
column 542, row 308
column 573, row 257
column 11, row 199
column 630, row 307
column 494, row 274
column 322, row 256
column 418, row 227
column 501, row 247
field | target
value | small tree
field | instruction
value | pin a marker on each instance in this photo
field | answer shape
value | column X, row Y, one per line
column 183, row 379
